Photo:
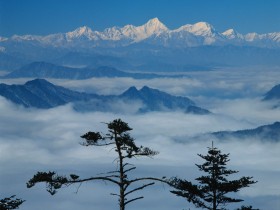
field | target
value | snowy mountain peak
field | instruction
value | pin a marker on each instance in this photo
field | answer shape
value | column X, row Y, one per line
column 84, row 29
column 202, row 25
column 138, row 33
column 79, row 32
column 202, row 28
column 232, row 34
column 229, row 32
column 198, row 29
column 155, row 25
column 154, row 20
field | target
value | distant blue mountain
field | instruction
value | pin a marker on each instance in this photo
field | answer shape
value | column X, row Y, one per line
column 40, row 93
column 91, row 60
column 273, row 94
column 264, row 133
column 155, row 100
column 48, row 70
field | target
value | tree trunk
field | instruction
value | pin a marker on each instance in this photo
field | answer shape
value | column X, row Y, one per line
column 122, row 176
column 214, row 200
column 214, row 185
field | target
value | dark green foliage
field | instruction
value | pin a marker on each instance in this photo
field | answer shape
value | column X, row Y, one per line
column 124, row 146
column 10, row 203
column 53, row 181
column 212, row 188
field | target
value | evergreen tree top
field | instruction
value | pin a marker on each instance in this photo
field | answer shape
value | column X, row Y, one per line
column 212, row 189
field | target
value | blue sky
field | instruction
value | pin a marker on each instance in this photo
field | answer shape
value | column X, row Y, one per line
column 43, row 17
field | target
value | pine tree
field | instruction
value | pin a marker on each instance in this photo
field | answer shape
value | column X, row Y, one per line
column 213, row 188
column 10, row 203
column 125, row 148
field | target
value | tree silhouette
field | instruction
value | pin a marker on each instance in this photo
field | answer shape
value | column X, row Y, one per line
column 10, row 203
column 125, row 148
column 211, row 192
column 246, row 208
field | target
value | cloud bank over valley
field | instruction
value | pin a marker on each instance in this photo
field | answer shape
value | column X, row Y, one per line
column 34, row 139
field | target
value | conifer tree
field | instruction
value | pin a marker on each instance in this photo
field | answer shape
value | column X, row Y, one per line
column 123, row 144
column 246, row 208
column 10, row 203
column 212, row 191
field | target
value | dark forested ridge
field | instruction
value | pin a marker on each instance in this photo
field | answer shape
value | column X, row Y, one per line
column 269, row 132
column 273, row 94
column 40, row 93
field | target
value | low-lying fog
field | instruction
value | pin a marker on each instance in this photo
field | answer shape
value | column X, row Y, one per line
column 33, row 140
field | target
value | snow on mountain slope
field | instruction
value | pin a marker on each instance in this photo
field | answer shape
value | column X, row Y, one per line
column 152, row 32
column 80, row 33
column 199, row 29
column 250, row 37
column 232, row 34
column 153, row 26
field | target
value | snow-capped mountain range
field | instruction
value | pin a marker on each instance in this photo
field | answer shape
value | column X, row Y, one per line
column 150, row 47
column 153, row 32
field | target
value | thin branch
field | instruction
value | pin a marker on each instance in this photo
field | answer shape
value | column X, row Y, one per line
column 78, row 188
column 114, row 194
column 112, row 148
column 116, row 159
column 127, row 164
column 129, row 201
column 139, row 188
column 130, row 169
column 94, row 178
column 150, row 178
column 110, row 172
column 95, row 144
column 113, row 176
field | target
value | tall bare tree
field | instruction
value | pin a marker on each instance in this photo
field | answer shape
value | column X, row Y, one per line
column 119, row 139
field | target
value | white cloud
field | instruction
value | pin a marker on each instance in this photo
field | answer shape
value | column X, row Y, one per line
column 33, row 140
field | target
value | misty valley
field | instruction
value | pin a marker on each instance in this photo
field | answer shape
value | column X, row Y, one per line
column 177, row 114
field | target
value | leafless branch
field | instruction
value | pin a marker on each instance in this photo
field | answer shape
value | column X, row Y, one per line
column 139, row 188
column 129, row 201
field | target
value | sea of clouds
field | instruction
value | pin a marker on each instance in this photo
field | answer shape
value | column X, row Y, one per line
column 34, row 140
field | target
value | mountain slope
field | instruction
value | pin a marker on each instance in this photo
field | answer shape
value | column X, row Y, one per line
column 155, row 100
column 273, row 94
column 40, row 93
column 264, row 133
